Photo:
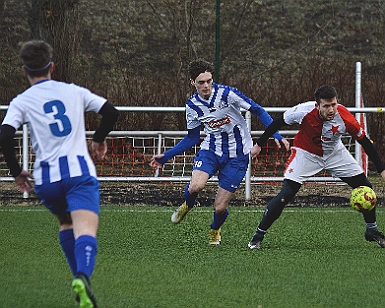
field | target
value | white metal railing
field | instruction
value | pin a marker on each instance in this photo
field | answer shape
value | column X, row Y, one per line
column 157, row 145
column 159, row 136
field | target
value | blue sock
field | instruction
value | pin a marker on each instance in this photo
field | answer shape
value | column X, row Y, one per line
column 219, row 219
column 86, row 248
column 190, row 198
column 67, row 242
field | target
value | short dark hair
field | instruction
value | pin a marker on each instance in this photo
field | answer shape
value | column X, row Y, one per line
column 325, row 92
column 36, row 56
column 199, row 66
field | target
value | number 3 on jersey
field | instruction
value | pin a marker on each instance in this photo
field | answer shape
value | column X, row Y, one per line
column 65, row 125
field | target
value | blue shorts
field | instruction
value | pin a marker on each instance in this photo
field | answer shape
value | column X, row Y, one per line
column 231, row 171
column 65, row 196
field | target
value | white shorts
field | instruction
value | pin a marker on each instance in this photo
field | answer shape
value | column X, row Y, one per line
column 303, row 165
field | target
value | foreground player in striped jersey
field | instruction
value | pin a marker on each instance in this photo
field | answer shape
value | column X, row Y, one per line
column 64, row 173
column 226, row 146
column 318, row 146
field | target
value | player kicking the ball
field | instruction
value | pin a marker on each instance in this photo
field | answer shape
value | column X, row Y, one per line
column 225, row 148
column 64, row 173
column 318, row 146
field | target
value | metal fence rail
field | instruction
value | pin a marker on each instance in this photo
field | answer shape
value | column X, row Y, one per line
column 129, row 153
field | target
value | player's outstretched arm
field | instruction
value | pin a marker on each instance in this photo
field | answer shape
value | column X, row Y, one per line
column 192, row 138
column 22, row 177
column 7, row 133
column 371, row 151
column 270, row 130
column 267, row 120
column 109, row 117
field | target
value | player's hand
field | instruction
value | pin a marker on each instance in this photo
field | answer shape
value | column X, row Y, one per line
column 277, row 143
column 286, row 144
column 99, row 149
column 22, row 182
column 255, row 150
column 154, row 163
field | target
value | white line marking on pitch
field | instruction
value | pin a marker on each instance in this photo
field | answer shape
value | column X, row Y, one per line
column 199, row 210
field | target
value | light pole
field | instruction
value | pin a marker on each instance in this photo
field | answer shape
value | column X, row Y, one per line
column 217, row 40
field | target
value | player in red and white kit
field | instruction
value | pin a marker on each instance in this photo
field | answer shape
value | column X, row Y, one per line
column 318, row 146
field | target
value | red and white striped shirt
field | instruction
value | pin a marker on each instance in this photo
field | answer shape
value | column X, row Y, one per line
column 318, row 136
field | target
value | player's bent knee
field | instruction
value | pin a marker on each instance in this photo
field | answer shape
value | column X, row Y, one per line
column 65, row 219
column 220, row 209
column 196, row 188
column 288, row 191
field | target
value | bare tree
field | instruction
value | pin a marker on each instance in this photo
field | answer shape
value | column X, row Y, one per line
column 2, row 3
column 57, row 22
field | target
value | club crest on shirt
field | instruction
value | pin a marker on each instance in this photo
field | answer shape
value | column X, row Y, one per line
column 222, row 105
column 334, row 129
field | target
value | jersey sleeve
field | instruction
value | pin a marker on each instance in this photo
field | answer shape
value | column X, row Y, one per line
column 92, row 101
column 241, row 99
column 353, row 128
column 14, row 116
column 295, row 115
column 192, row 138
column 247, row 103
column 192, row 120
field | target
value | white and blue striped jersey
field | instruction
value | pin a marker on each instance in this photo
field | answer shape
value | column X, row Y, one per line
column 225, row 127
column 54, row 112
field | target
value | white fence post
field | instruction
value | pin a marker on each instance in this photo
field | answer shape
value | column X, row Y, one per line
column 159, row 152
column 25, row 153
column 357, row 104
column 248, row 172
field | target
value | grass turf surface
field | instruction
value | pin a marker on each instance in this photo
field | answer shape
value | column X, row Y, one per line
column 310, row 258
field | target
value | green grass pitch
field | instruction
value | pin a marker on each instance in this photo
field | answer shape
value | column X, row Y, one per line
column 311, row 257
